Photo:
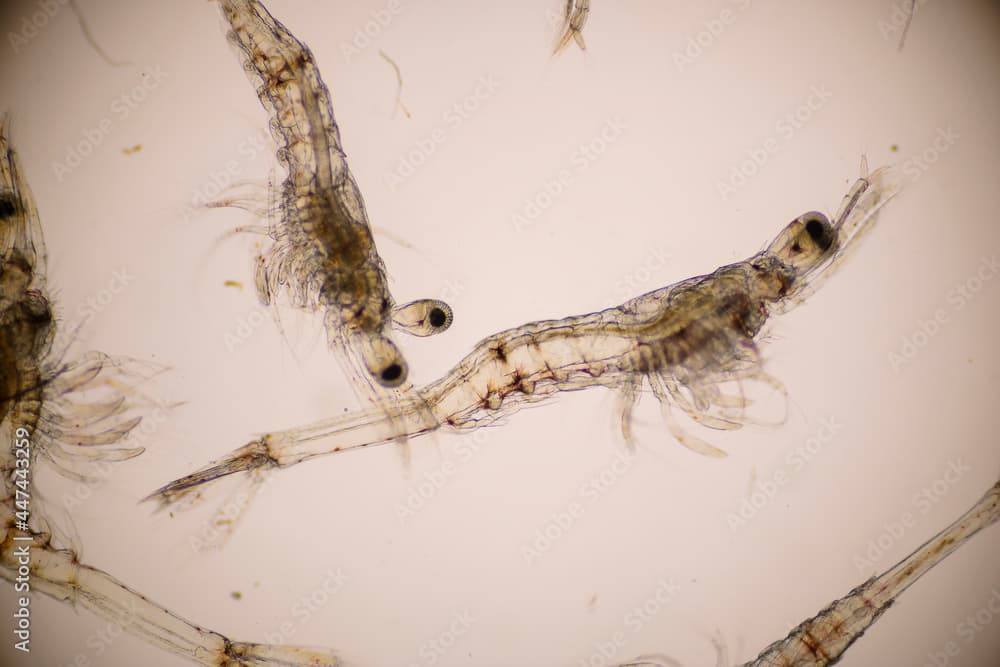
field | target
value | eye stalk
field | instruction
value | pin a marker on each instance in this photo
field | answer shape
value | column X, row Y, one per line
column 383, row 360
column 806, row 242
column 425, row 317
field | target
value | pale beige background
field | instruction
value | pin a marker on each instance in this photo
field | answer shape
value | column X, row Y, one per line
column 653, row 193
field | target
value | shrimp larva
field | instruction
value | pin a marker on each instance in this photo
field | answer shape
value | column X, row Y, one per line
column 690, row 341
column 323, row 253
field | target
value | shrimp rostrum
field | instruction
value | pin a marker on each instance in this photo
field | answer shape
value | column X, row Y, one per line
column 323, row 254
column 688, row 341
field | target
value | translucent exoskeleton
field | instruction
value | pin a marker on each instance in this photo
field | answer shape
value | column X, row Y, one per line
column 687, row 341
column 73, row 414
column 323, row 254
column 74, row 411
column 823, row 639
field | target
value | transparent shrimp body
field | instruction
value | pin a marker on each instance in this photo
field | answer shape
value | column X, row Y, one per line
column 689, row 341
column 26, row 321
column 73, row 414
column 71, row 410
column 823, row 639
column 323, row 254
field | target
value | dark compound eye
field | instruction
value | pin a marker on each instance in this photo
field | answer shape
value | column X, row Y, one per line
column 36, row 307
column 820, row 233
column 8, row 205
column 392, row 373
column 437, row 318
